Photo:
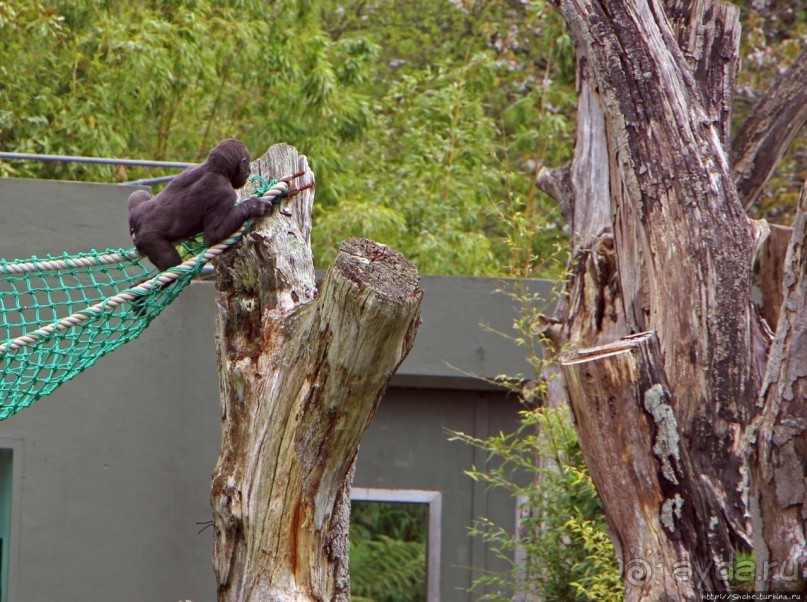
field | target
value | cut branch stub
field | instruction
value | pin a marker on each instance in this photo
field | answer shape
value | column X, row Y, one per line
column 634, row 450
column 300, row 380
column 557, row 184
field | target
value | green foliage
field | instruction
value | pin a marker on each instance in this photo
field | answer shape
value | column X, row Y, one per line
column 420, row 119
column 436, row 153
column 388, row 552
column 742, row 575
column 562, row 544
column 561, row 551
column 168, row 81
column 460, row 128
column 424, row 120
column 599, row 573
column 388, row 570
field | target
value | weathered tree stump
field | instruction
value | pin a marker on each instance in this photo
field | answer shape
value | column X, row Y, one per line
column 301, row 374
column 635, row 452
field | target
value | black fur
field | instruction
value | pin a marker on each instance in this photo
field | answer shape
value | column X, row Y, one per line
column 200, row 199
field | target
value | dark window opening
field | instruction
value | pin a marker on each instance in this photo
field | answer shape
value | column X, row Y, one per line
column 6, row 479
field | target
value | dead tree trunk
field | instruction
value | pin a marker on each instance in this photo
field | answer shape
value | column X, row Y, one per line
column 778, row 437
column 667, row 248
column 301, row 374
column 590, row 312
column 771, row 126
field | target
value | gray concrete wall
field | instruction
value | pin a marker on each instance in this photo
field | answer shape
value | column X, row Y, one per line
column 112, row 471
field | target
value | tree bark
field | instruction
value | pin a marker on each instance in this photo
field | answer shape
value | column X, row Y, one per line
column 769, row 268
column 301, row 375
column 624, row 416
column 667, row 248
column 590, row 312
column 684, row 245
column 778, row 437
column 708, row 33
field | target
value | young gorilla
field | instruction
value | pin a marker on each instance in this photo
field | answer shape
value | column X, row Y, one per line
column 200, row 199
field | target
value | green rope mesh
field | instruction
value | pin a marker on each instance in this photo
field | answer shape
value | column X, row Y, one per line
column 36, row 294
column 61, row 314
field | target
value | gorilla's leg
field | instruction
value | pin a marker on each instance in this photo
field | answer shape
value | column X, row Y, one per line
column 161, row 252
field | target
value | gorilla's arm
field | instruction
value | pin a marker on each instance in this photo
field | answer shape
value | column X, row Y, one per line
column 219, row 227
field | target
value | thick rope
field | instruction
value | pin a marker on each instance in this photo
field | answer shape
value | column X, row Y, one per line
column 264, row 186
column 51, row 265
column 278, row 189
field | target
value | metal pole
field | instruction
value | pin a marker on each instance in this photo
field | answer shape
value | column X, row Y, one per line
column 101, row 160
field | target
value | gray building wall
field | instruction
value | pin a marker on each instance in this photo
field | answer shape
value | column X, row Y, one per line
column 111, row 473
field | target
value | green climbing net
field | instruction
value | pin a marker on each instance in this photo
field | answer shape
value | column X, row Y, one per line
column 61, row 314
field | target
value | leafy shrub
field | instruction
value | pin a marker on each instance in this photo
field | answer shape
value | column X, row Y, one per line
column 561, row 551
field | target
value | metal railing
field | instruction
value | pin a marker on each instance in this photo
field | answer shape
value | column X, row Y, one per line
column 104, row 161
